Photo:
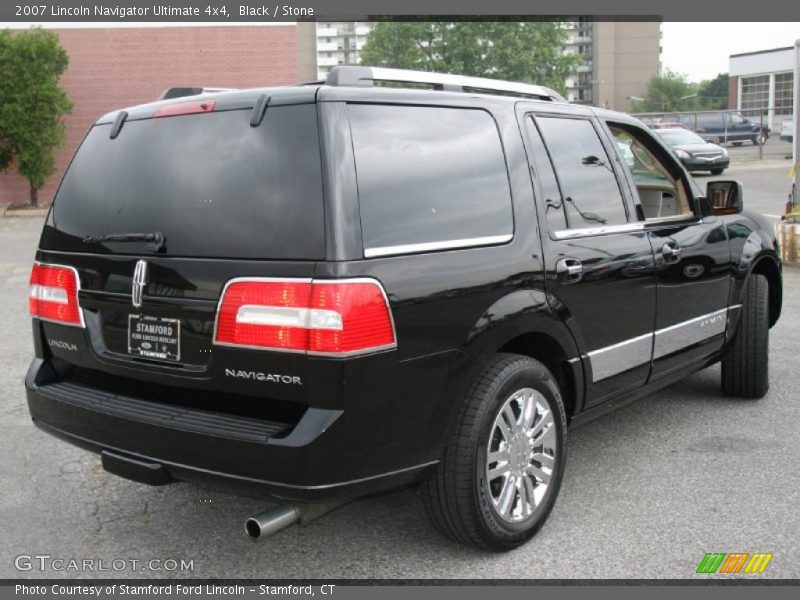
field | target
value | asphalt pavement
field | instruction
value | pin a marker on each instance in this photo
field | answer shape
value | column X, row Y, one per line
column 648, row 491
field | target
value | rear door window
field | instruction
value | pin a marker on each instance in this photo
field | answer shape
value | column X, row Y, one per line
column 590, row 193
column 210, row 183
column 548, row 185
column 429, row 178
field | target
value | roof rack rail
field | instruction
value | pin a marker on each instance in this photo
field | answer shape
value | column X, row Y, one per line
column 366, row 76
column 180, row 92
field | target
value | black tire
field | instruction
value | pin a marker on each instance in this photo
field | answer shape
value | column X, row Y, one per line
column 458, row 497
column 717, row 171
column 745, row 368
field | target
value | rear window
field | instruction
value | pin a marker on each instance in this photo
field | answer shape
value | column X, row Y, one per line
column 210, row 183
column 429, row 178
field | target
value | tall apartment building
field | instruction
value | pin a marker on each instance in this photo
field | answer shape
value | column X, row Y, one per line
column 619, row 57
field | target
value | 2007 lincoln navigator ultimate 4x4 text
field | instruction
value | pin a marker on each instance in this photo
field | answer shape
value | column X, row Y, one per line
column 328, row 290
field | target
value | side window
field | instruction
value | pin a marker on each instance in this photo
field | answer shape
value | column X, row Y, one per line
column 734, row 119
column 661, row 193
column 554, row 207
column 589, row 188
column 428, row 177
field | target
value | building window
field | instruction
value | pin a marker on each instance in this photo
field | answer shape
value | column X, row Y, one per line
column 783, row 93
column 755, row 92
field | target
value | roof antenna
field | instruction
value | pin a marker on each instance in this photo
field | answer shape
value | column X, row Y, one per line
column 259, row 110
column 119, row 121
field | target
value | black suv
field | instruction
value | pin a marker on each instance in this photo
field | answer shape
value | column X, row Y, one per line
column 328, row 290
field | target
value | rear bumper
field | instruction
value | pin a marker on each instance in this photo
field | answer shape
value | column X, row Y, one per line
column 320, row 458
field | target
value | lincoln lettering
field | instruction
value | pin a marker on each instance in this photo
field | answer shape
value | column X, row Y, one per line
column 259, row 376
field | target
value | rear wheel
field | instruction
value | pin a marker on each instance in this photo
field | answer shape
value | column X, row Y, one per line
column 745, row 369
column 504, row 461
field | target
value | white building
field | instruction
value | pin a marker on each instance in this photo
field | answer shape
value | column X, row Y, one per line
column 763, row 81
column 340, row 44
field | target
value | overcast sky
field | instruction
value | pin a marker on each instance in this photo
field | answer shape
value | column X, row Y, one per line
column 700, row 50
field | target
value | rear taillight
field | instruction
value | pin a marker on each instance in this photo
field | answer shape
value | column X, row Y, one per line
column 322, row 317
column 54, row 294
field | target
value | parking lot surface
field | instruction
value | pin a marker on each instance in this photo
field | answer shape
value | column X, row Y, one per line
column 648, row 491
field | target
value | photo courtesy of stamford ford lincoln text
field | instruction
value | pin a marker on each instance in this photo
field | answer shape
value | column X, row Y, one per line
column 348, row 299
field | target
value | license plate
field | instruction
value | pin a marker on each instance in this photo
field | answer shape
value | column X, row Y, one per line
column 154, row 337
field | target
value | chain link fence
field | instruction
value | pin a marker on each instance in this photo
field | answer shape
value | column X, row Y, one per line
column 746, row 134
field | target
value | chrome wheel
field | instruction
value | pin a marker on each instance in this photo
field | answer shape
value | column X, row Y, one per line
column 520, row 456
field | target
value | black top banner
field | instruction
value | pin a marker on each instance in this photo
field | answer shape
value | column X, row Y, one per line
column 184, row 11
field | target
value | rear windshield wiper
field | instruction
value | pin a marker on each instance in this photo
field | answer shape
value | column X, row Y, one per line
column 155, row 241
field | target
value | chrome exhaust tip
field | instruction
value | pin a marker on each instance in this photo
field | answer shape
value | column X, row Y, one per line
column 271, row 521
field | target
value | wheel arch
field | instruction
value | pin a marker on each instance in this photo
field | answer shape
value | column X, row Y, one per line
column 548, row 351
column 769, row 267
column 522, row 323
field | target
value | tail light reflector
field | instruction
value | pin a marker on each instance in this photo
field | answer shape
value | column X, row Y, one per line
column 54, row 294
column 331, row 318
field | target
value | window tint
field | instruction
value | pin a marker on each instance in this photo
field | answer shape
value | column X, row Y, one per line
column 429, row 175
column 556, row 219
column 589, row 188
column 211, row 183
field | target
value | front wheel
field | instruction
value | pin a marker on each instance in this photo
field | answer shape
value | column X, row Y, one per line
column 504, row 461
column 745, row 369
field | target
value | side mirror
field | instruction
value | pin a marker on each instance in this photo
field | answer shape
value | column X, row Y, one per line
column 724, row 197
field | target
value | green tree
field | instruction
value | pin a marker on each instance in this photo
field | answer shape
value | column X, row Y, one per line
column 668, row 92
column 713, row 93
column 32, row 104
column 530, row 51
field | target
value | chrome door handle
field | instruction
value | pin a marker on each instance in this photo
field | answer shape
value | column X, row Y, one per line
column 569, row 270
column 671, row 253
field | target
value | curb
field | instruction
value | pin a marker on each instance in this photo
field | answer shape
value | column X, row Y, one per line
column 7, row 212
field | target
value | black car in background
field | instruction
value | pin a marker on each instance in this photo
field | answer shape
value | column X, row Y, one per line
column 694, row 152
column 721, row 127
